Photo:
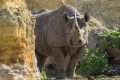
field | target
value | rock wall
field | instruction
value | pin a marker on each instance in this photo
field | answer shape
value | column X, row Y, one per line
column 17, row 40
column 106, row 11
column 38, row 4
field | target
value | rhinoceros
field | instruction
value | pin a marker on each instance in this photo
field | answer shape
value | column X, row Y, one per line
column 58, row 34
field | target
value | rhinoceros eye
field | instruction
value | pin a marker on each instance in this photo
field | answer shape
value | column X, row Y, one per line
column 81, row 23
column 65, row 16
column 78, row 19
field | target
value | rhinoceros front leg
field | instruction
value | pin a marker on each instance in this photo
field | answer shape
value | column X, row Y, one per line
column 60, row 62
column 70, row 71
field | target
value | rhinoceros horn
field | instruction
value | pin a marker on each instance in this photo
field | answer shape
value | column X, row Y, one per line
column 75, row 18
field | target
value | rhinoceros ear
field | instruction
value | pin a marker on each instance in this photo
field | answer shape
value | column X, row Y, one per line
column 65, row 16
column 86, row 17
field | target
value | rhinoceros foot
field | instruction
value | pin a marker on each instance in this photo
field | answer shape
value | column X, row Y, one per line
column 52, row 73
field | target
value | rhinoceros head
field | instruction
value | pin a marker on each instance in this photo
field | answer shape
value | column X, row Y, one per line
column 76, row 28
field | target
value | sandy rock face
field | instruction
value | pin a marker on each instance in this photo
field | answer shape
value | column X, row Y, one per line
column 106, row 11
column 17, row 36
column 38, row 4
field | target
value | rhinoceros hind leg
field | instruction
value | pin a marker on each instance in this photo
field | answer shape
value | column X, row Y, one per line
column 40, row 60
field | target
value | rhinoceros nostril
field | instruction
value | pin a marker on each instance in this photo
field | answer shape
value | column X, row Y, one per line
column 71, row 42
column 80, row 41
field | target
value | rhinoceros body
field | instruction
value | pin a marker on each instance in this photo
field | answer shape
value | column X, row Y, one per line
column 58, row 34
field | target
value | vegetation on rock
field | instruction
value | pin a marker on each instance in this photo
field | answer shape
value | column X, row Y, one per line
column 112, row 38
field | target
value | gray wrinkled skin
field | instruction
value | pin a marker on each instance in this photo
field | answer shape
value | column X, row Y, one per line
column 58, row 34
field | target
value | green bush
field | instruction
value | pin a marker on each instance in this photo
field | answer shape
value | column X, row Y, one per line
column 94, row 63
column 112, row 38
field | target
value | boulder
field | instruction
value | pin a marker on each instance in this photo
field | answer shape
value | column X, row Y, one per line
column 96, row 29
column 17, row 41
column 16, row 72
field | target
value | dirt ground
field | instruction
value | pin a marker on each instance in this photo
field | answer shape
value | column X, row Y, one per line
column 91, row 78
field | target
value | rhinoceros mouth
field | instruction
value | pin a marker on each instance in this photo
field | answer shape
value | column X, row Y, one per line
column 74, row 44
column 78, row 45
